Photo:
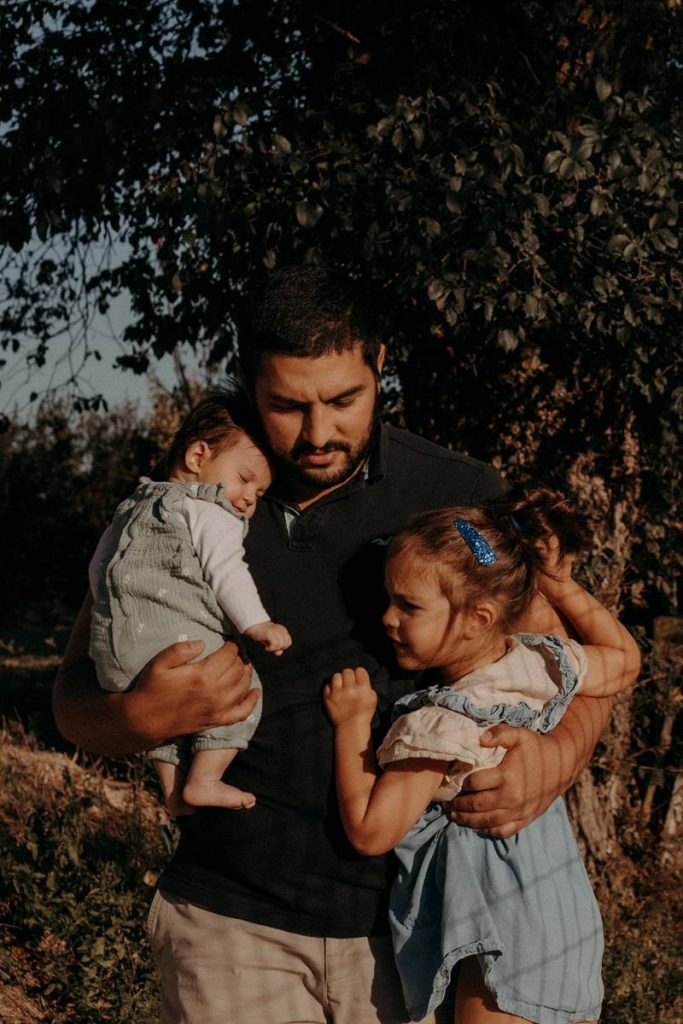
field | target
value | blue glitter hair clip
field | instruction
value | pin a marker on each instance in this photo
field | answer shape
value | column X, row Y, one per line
column 478, row 545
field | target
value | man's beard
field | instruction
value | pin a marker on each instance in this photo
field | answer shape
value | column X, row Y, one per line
column 328, row 476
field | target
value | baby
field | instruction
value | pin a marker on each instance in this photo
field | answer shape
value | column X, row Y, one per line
column 171, row 567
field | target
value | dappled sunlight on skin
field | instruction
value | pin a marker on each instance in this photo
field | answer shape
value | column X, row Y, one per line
column 474, row 1003
column 536, row 770
column 501, row 801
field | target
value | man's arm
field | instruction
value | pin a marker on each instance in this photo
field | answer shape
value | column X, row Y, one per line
column 172, row 696
column 535, row 771
column 537, row 767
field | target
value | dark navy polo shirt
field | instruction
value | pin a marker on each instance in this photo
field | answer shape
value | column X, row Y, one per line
column 287, row 862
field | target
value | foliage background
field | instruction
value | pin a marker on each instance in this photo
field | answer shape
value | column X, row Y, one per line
column 505, row 179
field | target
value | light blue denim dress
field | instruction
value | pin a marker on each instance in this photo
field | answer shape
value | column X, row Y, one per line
column 524, row 905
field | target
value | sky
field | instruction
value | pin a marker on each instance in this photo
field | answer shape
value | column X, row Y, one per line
column 18, row 379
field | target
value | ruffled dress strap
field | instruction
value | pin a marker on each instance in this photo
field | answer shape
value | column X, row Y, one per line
column 557, row 654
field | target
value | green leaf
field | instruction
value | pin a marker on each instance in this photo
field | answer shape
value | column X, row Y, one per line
column 398, row 139
column 436, row 289
column 452, row 203
column 507, row 340
column 553, row 160
column 241, row 114
column 542, row 204
column 282, row 145
column 567, row 168
column 617, row 243
column 602, row 88
column 308, row 214
column 219, row 127
column 418, row 134
column 597, row 204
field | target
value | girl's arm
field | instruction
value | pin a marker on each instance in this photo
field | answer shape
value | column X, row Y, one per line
column 612, row 654
column 377, row 809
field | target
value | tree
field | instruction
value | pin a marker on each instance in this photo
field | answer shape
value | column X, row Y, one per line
column 505, row 177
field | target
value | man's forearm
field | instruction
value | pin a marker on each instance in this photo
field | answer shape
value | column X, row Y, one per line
column 86, row 715
column 94, row 719
column 577, row 735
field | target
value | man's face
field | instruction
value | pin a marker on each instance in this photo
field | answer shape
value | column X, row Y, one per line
column 318, row 413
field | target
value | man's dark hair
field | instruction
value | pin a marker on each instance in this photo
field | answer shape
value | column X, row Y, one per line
column 220, row 412
column 307, row 311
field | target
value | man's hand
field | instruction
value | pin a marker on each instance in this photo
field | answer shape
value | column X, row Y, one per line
column 199, row 695
column 349, row 696
column 501, row 801
column 173, row 695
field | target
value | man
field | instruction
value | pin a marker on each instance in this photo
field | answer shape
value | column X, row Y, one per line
column 269, row 915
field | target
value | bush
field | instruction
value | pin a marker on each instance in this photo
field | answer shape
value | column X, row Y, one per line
column 77, row 857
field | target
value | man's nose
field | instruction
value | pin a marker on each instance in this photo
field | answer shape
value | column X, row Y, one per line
column 317, row 426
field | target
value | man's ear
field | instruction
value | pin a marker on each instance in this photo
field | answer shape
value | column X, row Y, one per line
column 196, row 456
column 381, row 356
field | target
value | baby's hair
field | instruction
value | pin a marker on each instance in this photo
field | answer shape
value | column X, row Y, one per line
column 218, row 418
column 513, row 526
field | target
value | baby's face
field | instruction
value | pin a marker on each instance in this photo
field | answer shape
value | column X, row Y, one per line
column 243, row 469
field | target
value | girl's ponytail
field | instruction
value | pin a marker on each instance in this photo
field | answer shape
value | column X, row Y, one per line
column 531, row 516
column 492, row 551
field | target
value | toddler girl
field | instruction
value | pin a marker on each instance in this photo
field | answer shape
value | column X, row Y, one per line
column 518, row 915
column 172, row 568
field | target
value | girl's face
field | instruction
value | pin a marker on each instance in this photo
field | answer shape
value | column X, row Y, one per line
column 420, row 620
column 244, row 470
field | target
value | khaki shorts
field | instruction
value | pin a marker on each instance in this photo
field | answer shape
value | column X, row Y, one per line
column 220, row 970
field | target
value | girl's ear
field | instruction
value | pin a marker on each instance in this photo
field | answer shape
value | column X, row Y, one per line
column 480, row 618
column 197, row 455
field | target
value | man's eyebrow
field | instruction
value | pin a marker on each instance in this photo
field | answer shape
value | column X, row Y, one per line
column 296, row 403
column 355, row 390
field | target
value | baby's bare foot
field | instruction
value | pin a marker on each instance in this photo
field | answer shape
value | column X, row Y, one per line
column 176, row 806
column 217, row 794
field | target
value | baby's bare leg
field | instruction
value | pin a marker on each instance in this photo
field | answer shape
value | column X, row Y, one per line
column 172, row 780
column 203, row 787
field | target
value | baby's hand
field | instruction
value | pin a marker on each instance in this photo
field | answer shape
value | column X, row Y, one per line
column 273, row 637
column 349, row 695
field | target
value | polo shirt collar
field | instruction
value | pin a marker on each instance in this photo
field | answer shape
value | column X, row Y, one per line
column 376, row 464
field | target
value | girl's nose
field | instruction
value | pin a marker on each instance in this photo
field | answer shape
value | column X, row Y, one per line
column 390, row 619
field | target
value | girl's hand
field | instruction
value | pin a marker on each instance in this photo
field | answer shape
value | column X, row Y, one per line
column 556, row 571
column 349, row 695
